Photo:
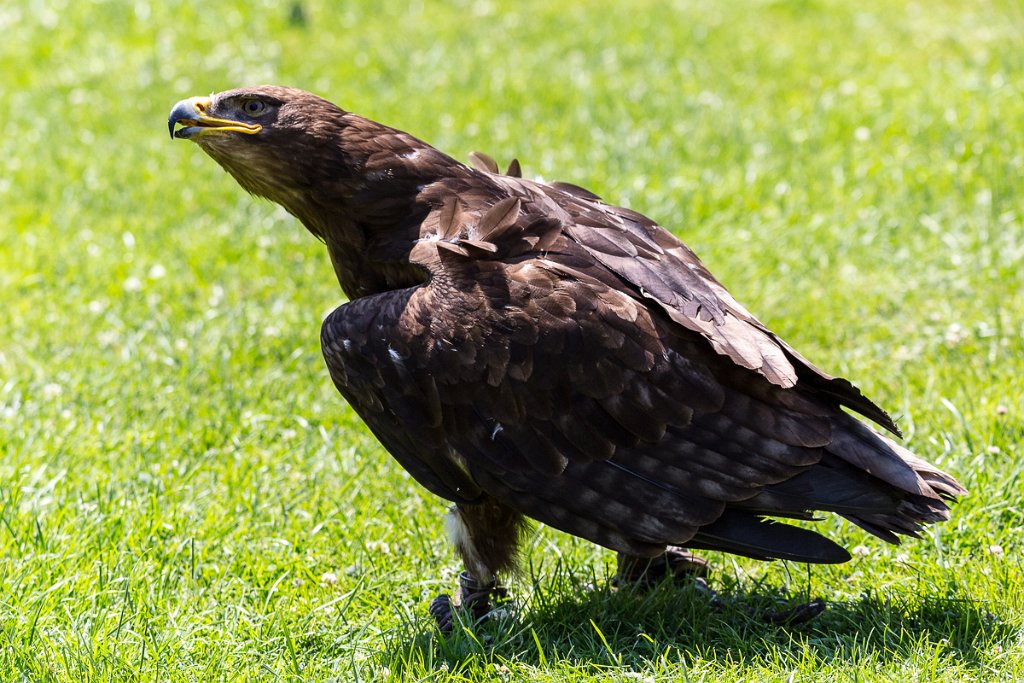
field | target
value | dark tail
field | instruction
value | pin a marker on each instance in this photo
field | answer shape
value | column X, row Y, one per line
column 870, row 480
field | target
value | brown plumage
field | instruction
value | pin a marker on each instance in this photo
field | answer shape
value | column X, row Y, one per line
column 523, row 348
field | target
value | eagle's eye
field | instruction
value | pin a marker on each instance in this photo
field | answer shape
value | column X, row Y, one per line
column 254, row 107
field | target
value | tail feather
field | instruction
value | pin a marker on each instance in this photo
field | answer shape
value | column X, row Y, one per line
column 885, row 459
column 743, row 533
column 938, row 481
column 870, row 480
column 830, row 486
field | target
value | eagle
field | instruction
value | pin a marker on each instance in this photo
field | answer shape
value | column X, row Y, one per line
column 526, row 350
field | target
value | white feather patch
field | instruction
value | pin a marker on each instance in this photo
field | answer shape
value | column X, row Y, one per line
column 460, row 536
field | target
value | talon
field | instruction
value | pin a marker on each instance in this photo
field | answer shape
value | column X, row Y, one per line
column 473, row 597
column 801, row 614
column 441, row 610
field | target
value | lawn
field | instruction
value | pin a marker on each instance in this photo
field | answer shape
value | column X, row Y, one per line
column 184, row 496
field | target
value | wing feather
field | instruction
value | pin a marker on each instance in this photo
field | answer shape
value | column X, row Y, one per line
column 607, row 385
column 668, row 272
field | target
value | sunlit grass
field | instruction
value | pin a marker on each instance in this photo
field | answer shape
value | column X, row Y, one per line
column 183, row 496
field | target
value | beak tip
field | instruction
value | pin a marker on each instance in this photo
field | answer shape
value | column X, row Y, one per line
column 185, row 109
column 178, row 112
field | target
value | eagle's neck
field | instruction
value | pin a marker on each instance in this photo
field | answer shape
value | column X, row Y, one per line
column 360, row 276
column 363, row 202
column 370, row 253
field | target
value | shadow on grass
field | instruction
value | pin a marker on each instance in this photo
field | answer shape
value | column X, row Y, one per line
column 599, row 628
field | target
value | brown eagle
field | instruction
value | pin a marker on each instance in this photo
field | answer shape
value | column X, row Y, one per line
column 524, row 349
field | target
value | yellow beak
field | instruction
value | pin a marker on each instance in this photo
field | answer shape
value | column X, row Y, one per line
column 192, row 115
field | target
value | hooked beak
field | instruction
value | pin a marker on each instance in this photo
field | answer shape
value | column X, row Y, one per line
column 192, row 115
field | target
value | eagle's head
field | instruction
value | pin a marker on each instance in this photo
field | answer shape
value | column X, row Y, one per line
column 353, row 182
column 275, row 141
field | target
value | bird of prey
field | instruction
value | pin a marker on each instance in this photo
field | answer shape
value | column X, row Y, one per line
column 526, row 350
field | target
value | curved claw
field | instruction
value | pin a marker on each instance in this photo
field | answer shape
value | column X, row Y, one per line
column 800, row 614
column 473, row 597
column 441, row 610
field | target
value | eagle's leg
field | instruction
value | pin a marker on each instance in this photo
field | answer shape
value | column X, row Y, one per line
column 486, row 536
column 676, row 563
column 680, row 565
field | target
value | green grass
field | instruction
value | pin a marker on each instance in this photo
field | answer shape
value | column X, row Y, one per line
column 183, row 496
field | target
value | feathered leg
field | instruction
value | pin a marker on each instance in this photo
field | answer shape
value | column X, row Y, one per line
column 643, row 572
column 486, row 536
